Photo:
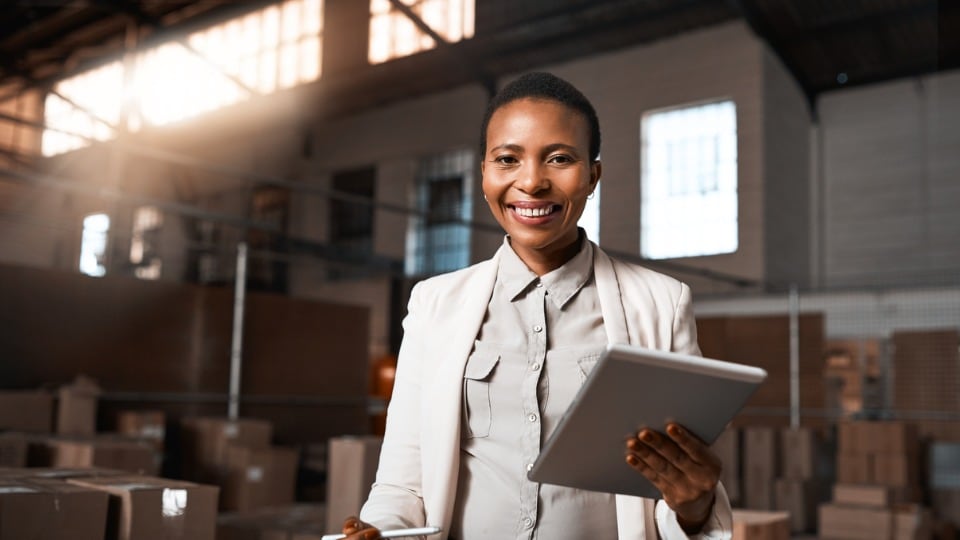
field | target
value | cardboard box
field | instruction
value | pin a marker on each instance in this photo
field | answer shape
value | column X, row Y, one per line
column 800, row 498
column 873, row 495
column 727, row 448
column 147, row 508
column 946, row 504
column 206, row 439
column 855, row 522
column 912, row 522
column 146, row 425
column 761, row 465
column 855, row 468
column 50, row 509
column 760, row 525
column 803, row 453
column 13, row 450
column 54, row 473
column 132, row 456
column 77, row 407
column 26, row 410
column 889, row 437
column 848, row 437
column 352, row 470
column 259, row 477
column 896, row 470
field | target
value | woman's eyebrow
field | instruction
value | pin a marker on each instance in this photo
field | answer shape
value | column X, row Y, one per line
column 507, row 146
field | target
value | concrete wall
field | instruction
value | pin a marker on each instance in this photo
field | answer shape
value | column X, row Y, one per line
column 890, row 170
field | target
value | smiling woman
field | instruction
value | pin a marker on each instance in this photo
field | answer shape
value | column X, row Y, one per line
column 493, row 354
column 537, row 175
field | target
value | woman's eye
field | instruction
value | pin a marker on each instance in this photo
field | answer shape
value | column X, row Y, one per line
column 561, row 159
column 505, row 160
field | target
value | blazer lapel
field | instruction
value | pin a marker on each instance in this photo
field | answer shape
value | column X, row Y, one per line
column 455, row 334
column 611, row 300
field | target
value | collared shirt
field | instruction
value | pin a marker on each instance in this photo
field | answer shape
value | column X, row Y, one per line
column 539, row 340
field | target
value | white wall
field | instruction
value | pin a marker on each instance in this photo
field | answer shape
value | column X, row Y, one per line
column 891, row 182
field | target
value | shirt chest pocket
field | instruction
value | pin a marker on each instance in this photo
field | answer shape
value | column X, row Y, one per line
column 476, row 393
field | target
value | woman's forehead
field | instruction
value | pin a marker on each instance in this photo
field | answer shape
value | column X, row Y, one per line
column 539, row 112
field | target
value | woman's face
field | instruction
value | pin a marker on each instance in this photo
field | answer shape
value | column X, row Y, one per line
column 537, row 175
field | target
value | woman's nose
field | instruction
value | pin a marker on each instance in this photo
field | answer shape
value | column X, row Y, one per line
column 531, row 179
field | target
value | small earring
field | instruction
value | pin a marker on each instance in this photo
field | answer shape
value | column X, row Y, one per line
column 484, row 196
column 590, row 196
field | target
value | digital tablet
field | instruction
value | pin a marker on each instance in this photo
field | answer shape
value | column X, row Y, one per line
column 631, row 388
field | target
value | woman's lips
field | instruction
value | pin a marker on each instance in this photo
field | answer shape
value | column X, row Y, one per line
column 538, row 212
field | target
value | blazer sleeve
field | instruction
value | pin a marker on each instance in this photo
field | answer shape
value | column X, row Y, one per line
column 684, row 325
column 396, row 500
column 720, row 523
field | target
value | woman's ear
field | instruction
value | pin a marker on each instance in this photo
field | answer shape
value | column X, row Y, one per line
column 595, row 170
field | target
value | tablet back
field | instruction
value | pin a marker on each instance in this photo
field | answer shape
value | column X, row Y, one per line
column 631, row 388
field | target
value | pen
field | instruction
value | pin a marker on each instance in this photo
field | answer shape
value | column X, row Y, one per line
column 396, row 533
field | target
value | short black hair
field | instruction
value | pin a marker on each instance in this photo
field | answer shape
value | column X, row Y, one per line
column 545, row 86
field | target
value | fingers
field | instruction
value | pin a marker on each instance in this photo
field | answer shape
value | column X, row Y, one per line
column 649, row 461
column 692, row 446
column 354, row 528
column 680, row 458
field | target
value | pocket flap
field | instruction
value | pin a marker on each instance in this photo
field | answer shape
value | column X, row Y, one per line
column 480, row 365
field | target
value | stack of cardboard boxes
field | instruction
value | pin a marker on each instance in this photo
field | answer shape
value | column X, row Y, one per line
column 804, row 481
column 945, row 482
column 76, row 442
column 352, row 470
column 95, row 504
column 760, row 525
column 878, row 492
column 237, row 455
column 761, row 466
column 727, row 447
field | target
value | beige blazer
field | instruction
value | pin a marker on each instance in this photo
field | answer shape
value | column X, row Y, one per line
column 419, row 463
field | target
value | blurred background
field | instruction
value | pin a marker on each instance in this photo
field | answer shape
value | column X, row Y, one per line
column 212, row 214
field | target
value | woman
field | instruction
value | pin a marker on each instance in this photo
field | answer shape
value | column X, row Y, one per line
column 493, row 354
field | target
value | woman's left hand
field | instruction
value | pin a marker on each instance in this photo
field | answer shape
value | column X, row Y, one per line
column 682, row 467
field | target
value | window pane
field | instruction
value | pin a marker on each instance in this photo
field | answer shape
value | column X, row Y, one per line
column 689, row 181
column 393, row 34
column 438, row 240
column 590, row 219
column 93, row 245
column 278, row 46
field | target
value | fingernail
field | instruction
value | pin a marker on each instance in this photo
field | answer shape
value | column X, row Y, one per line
column 632, row 459
column 647, row 436
column 675, row 430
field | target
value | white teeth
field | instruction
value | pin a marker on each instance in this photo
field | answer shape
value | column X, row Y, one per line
column 534, row 212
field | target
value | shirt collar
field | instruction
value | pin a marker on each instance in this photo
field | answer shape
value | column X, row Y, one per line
column 561, row 284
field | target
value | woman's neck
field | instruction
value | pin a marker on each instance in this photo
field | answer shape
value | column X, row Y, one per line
column 542, row 262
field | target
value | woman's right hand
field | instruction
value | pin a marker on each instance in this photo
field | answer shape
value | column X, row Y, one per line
column 358, row 530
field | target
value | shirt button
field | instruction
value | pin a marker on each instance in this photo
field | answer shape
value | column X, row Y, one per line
column 532, row 417
column 537, row 328
column 535, row 367
column 527, row 522
column 529, row 467
column 539, row 284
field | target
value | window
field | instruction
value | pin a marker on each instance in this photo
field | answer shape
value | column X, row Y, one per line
column 394, row 35
column 272, row 48
column 689, row 181
column 351, row 222
column 266, row 271
column 93, row 245
column 590, row 218
column 147, row 222
column 439, row 238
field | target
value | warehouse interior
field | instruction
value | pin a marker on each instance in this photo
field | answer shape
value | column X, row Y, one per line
column 212, row 214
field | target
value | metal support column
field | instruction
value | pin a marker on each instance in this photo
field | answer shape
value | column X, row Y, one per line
column 236, row 349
